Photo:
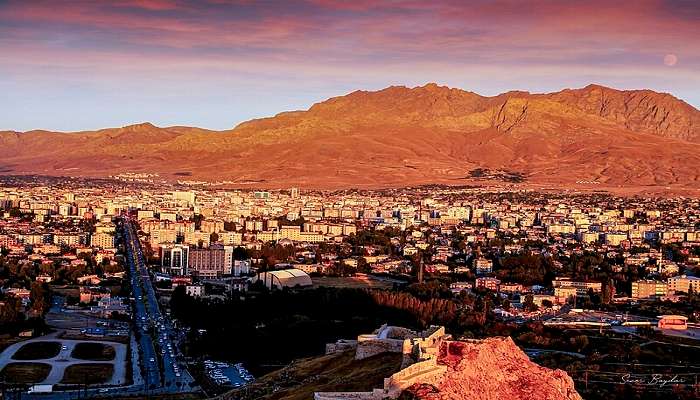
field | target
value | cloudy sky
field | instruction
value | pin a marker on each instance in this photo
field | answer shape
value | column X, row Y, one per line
column 86, row 64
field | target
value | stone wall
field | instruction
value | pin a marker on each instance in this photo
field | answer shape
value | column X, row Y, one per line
column 340, row 346
column 345, row 396
column 419, row 364
column 427, row 371
column 368, row 347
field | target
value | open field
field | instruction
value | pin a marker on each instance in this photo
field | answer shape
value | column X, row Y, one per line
column 355, row 282
column 88, row 373
column 25, row 372
column 93, row 352
column 37, row 351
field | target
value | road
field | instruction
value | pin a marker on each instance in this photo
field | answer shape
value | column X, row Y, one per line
column 143, row 316
column 159, row 347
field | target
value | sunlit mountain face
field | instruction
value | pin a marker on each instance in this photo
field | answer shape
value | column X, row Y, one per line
column 402, row 136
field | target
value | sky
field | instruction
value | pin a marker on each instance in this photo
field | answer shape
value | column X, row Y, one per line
column 73, row 65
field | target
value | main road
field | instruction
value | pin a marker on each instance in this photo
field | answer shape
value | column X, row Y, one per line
column 161, row 368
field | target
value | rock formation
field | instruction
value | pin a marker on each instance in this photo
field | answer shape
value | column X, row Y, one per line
column 492, row 369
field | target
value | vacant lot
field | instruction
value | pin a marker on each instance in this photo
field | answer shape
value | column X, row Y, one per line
column 93, row 352
column 89, row 374
column 355, row 282
column 37, row 351
column 25, row 372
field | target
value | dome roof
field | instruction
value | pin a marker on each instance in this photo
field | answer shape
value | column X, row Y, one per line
column 285, row 278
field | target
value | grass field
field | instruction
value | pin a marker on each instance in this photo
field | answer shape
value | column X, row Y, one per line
column 25, row 372
column 93, row 352
column 37, row 351
column 354, row 282
column 89, row 374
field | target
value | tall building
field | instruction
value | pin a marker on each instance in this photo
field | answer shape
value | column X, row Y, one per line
column 241, row 267
column 207, row 262
column 174, row 258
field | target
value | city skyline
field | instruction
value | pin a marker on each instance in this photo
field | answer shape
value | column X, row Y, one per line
column 213, row 64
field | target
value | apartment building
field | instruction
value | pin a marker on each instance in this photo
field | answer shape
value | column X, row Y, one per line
column 582, row 287
column 683, row 284
column 207, row 262
column 103, row 240
column 646, row 289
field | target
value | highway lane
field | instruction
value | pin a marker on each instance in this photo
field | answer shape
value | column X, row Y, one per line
column 173, row 375
column 142, row 316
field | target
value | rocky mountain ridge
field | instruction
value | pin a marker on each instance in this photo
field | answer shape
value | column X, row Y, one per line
column 401, row 136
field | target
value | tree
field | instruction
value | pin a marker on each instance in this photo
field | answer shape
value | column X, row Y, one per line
column 579, row 342
column 39, row 296
column 10, row 311
column 529, row 303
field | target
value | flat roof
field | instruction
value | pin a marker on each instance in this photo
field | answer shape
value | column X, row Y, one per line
column 673, row 316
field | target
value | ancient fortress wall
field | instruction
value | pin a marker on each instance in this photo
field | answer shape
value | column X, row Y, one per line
column 340, row 346
column 419, row 363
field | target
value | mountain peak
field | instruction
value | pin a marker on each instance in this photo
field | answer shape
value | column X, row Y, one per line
column 140, row 126
column 434, row 86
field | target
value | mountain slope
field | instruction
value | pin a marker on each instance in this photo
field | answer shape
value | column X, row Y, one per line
column 402, row 136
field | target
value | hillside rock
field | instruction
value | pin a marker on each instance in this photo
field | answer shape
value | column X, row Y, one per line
column 492, row 369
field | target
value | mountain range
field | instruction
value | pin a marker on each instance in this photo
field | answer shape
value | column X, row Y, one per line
column 399, row 136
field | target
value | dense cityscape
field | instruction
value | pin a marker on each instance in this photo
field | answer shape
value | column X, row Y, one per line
column 113, row 288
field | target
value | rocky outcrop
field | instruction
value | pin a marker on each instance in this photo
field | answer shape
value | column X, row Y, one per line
column 637, row 110
column 492, row 369
column 434, row 367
